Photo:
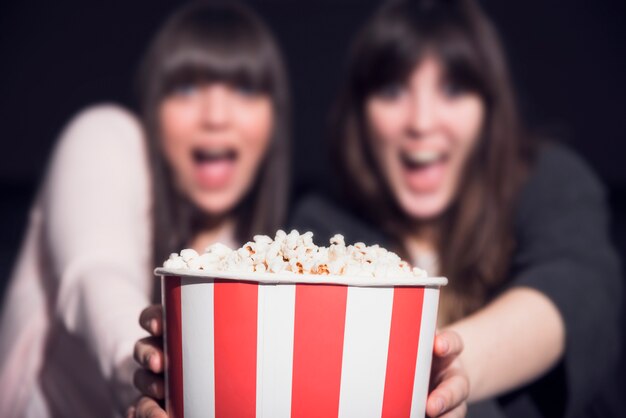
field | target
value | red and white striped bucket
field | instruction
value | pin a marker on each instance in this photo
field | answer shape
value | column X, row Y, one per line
column 270, row 345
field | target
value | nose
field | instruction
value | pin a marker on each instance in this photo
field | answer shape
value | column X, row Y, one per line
column 422, row 115
column 215, row 110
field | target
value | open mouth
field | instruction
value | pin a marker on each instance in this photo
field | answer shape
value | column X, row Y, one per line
column 214, row 167
column 424, row 169
column 207, row 156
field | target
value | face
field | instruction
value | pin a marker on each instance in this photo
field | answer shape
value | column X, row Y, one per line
column 423, row 132
column 214, row 138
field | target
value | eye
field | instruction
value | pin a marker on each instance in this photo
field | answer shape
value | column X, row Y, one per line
column 246, row 90
column 391, row 91
column 186, row 90
column 452, row 89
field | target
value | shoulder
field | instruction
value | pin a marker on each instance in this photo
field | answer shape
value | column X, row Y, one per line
column 106, row 115
column 326, row 218
column 558, row 166
column 563, row 214
column 559, row 177
column 103, row 127
column 102, row 145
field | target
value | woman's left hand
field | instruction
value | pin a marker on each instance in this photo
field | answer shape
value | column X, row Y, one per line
column 449, row 385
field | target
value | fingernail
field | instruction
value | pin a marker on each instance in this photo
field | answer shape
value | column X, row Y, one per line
column 443, row 346
column 153, row 325
column 154, row 366
column 147, row 359
column 440, row 405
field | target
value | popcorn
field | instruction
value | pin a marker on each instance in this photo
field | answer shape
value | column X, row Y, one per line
column 276, row 266
column 337, row 239
column 218, row 249
column 175, row 262
column 295, row 253
column 203, row 262
column 262, row 239
column 337, row 267
column 188, row 254
column 280, row 235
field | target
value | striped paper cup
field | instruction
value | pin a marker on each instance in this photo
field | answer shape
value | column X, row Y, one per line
column 272, row 345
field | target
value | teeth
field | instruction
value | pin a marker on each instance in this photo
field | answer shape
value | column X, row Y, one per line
column 424, row 157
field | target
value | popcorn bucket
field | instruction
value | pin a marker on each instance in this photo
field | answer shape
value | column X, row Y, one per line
column 287, row 345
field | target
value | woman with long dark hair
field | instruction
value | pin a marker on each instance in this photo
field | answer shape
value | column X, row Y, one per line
column 432, row 150
column 207, row 161
column 200, row 47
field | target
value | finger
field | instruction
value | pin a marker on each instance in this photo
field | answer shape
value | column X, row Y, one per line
column 130, row 412
column 149, row 384
column 149, row 408
column 151, row 319
column 149, row 354
column 448, row 343
column 451, row 393
column 446, row 350
column 458, row 412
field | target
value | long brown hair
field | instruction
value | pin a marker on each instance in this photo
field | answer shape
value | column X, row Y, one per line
column 203, row 43
column 474, row 235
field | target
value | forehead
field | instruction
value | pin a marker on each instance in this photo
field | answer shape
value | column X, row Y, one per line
column 428, row 69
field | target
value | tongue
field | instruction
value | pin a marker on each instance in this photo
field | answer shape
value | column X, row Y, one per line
column 425, row 179
column 214, row 174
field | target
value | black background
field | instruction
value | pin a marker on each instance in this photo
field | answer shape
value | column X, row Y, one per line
column 568, row 60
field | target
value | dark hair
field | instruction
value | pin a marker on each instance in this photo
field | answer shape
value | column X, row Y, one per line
column 204, row 43
column 474, row 234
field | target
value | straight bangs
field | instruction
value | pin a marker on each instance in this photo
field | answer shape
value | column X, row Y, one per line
column 461, row 61
column 214, row 47
column 402, row 35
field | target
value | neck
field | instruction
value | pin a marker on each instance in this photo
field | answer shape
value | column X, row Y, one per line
column 212, row 230
column 421, row 238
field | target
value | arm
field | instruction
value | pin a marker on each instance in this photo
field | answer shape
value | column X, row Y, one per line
column 96, row 214
column 563, row 303
column 511, row 342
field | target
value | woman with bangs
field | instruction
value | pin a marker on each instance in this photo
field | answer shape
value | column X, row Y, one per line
column 429, row 142
column 207, row 161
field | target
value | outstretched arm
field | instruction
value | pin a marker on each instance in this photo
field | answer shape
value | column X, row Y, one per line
column 96, row 214
column 512, row 341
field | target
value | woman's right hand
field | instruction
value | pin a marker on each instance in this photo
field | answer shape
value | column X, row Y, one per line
column 449, row 381
column 149, row 354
